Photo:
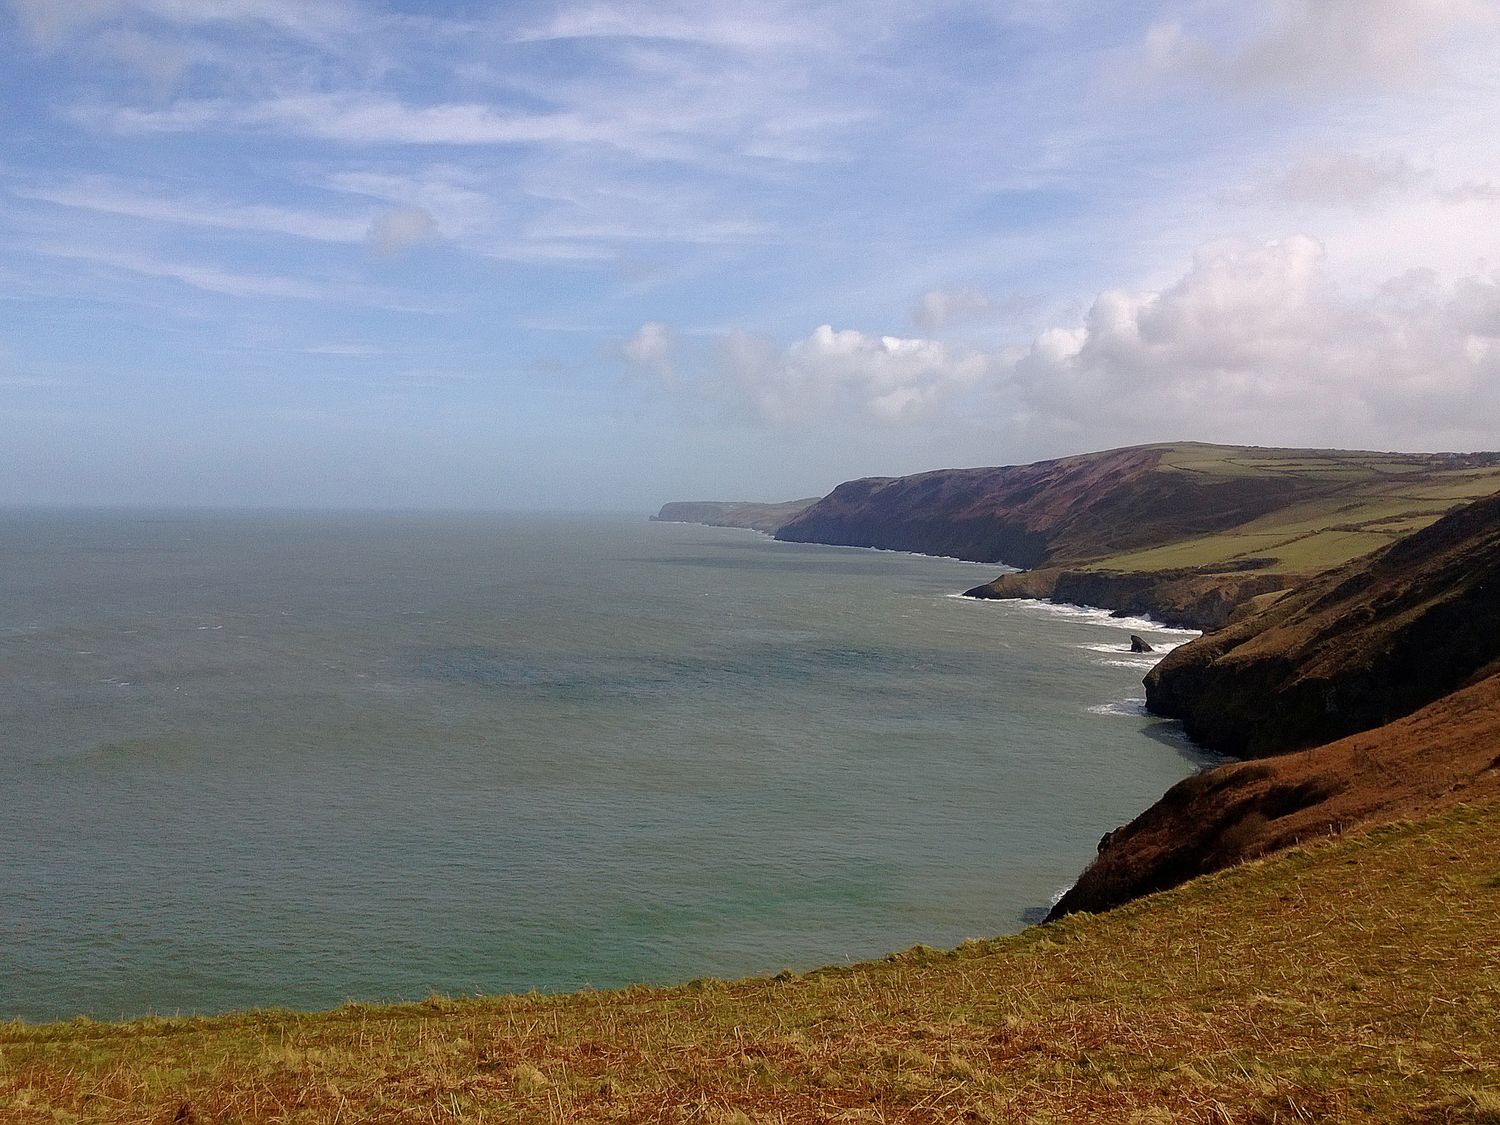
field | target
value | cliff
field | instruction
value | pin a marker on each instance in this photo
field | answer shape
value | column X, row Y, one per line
column 1352, row 649
column 1205, row 598
column 1063, row 510
column 1444, row 754
column 717, row 513
column 1371, row 692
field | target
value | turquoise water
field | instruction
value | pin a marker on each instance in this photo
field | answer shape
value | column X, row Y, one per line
column 285, row 759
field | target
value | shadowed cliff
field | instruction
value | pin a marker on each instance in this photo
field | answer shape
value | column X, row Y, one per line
column 1349, row 650
column 1388, row 668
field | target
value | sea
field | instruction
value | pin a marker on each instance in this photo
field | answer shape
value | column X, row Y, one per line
column 294, row 759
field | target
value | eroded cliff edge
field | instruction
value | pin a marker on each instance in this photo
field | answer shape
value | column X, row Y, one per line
column 1370, row 693
column 1352, row 649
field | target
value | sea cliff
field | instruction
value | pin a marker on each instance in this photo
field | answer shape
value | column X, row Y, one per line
column 720, row 513
column 1369, row 693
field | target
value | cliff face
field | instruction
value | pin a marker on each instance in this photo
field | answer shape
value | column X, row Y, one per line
column 1446, row 753
column 1185, row 599
column 717, row 513
column 1350, row 650
column 1028, row 515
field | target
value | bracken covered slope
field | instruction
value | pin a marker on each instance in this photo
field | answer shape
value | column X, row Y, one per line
column 1445, row 753
column 1351, row 649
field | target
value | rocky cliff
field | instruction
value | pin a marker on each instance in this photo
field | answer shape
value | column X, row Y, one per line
column 1371, row 692
column 718, row 513
column 1349, row 650
column 1446, row 753
column 1073, row 508
column 1182, row 598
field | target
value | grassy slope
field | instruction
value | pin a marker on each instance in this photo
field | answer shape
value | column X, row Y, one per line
column 1360, row 501
column 1356, row 980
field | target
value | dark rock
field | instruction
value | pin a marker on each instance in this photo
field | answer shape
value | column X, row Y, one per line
column 1138, row 645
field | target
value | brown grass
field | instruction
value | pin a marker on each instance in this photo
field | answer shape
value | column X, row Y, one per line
column 1353, row 981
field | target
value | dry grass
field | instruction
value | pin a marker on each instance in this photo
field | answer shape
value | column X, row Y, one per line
column 1355, row 981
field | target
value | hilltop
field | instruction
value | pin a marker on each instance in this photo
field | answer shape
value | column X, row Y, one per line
column 1357, row 981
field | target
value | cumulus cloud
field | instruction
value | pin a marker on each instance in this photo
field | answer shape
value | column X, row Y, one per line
column 1253, row 343
column 830, row 373
column 650, row 348
column 1257, row 343
column 400, row 229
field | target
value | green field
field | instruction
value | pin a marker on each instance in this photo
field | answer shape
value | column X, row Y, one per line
column 1354, row 503
column 1354, row 981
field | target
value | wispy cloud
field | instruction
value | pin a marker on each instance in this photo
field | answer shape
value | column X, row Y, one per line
column 216, row 279
column 349, row 350
column 50, row 22
column 112, row 197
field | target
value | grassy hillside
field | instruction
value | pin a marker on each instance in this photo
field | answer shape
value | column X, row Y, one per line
column 1357, row 981
column 1346, row 505
column 1305, row 512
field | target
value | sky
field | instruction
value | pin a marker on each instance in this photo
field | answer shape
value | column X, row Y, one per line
column 600, row 255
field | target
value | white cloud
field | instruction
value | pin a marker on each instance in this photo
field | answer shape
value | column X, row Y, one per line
column 1256, row 343
column 350, row 350
column 1338, row 42
column 369, row 119
column 215, row 279
column 938, row 308
column 1475, row 191
column 113, row 197
column 650, row 346
column 1313, row 44
column 400, row 229
column 828, row 374
column 752, row 28
column 49, row 23
column 1345, row 178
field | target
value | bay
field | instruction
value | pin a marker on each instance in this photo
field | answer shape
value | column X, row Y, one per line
column 289, row 759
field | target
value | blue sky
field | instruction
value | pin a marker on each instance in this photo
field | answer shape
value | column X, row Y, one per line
column 601, row 255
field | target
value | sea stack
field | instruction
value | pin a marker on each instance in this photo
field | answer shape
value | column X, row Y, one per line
column 1138, row 645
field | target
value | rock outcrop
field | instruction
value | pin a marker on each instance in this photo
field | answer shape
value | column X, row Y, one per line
column 1138, row 644
column 1352, row 649
column 1184, row 599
